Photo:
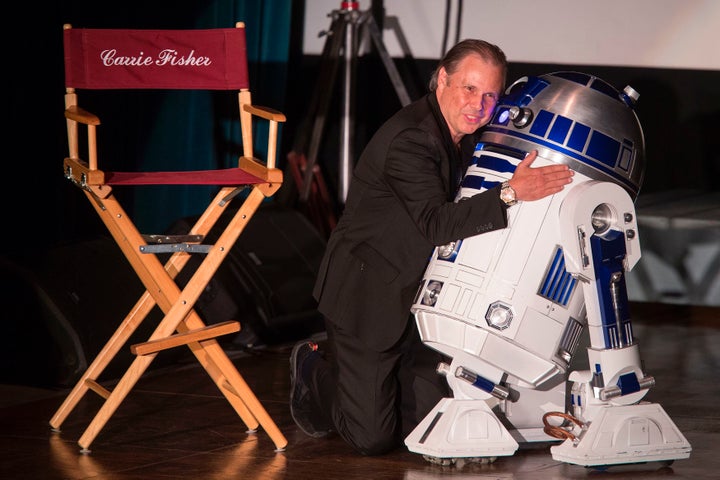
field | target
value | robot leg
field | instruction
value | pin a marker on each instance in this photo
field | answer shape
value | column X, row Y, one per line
column 610, row 424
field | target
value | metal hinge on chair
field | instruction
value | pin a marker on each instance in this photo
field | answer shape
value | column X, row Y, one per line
column 174, row 243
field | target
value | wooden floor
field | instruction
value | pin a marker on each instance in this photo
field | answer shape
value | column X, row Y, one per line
column 176, row 425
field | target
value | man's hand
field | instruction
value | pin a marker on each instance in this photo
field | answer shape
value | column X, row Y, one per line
column 536, row 183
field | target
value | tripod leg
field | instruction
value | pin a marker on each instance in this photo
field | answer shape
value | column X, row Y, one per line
column 387, row 60
column 321, row 97
column 347, row 124
column 420, row 85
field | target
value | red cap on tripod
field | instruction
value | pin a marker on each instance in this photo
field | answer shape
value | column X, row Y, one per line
column 349, row 5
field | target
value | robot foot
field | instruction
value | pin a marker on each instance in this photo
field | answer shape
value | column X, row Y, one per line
column 443, row 462
column 632, row 467
column 623, row 435
column 446, row 462
column 466, row 429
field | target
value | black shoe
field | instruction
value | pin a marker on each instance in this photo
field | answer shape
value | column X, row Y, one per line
column 301, row 401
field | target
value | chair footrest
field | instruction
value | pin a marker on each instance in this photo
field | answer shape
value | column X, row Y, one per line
column 205, row 333
column 175, row 247
column 165, row 239
column 97, row 388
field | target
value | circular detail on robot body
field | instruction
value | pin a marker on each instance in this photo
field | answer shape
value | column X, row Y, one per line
column 431, row 292
column 499, row 315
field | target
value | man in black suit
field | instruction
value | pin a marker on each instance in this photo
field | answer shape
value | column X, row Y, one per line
column 377, row 380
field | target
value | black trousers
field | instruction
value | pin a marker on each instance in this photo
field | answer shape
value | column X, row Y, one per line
column 375, row 399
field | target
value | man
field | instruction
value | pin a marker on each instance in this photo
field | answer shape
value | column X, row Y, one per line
column 377, row 380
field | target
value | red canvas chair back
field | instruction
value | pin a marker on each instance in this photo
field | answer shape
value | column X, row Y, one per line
column 213, row 59
column 209, row 59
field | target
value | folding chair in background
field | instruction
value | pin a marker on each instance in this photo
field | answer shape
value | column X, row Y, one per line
column 202, row 59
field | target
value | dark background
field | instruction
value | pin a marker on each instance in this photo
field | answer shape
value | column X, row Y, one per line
column 677, row 108
column 51, row 235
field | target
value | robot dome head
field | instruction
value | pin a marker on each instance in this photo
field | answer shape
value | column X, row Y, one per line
column 576, row 119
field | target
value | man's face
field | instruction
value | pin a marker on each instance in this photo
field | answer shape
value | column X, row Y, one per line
column 468, row 97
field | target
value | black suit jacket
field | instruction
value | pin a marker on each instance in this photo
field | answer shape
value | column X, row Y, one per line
column 399, row 207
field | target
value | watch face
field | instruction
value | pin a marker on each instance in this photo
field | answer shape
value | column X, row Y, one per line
column 507, row 195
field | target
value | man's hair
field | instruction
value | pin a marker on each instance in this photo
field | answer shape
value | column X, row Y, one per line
column 489, row 52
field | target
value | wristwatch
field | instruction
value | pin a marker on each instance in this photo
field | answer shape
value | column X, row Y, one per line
column 507, row 194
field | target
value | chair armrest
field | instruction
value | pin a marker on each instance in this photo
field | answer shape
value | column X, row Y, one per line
column 76, row 113
column 273, row 116
column 265, row 112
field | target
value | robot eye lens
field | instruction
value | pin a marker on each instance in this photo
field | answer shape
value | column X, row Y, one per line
column 521, row 117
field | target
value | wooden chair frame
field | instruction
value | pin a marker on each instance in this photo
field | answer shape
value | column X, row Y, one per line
column 181, row 324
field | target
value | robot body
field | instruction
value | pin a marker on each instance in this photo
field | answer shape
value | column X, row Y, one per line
column 509, row 307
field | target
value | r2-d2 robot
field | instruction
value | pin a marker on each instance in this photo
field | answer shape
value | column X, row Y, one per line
column 509, row 307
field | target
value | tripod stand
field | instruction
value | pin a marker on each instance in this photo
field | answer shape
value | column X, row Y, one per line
column 347, row 26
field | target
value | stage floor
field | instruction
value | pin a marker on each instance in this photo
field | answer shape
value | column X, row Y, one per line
column 175, row 424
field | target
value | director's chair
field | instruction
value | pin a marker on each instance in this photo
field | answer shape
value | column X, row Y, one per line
column 211, row 59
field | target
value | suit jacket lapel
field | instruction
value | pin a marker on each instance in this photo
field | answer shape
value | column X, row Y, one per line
column 453, row 158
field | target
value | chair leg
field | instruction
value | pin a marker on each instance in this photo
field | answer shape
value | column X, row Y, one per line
column 241, row 389
column 133, row 320
column 179, row 314
column 123, row 333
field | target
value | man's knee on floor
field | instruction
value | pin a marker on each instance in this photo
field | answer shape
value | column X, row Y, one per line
column 374, row 443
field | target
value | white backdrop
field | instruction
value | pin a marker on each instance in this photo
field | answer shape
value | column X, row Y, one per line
column 641, row 33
